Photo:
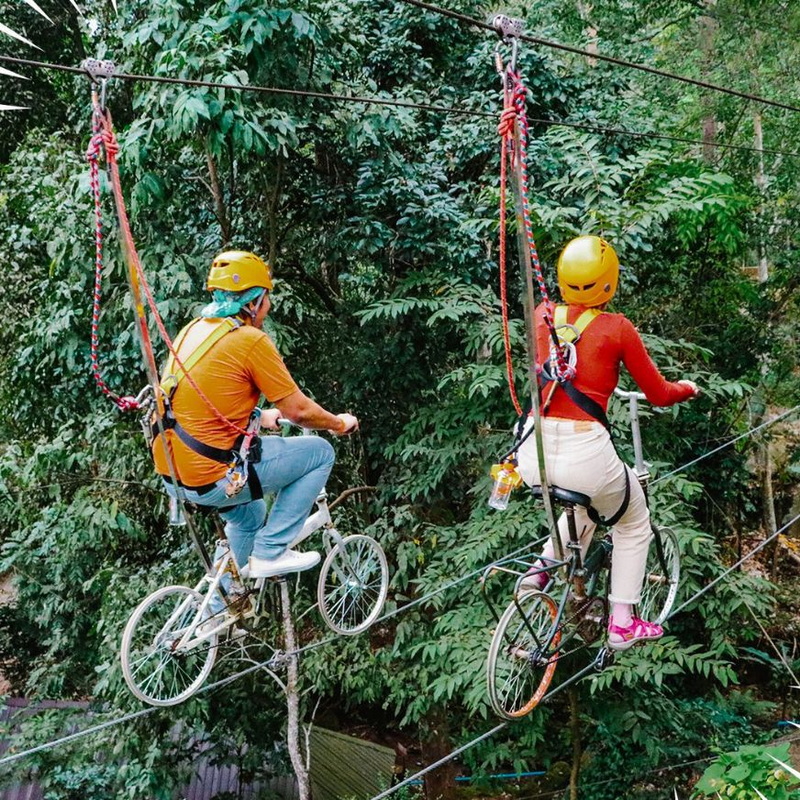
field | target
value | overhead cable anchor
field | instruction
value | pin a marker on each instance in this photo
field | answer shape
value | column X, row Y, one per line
column 99, row 71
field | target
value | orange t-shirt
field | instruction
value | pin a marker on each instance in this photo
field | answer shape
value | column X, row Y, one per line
column 608, row 341
column 233, row 374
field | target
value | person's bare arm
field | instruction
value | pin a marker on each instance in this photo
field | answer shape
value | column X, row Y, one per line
column 302, row 410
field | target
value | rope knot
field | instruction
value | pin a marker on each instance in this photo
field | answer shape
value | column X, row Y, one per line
column 110, row 143
column 505, row 127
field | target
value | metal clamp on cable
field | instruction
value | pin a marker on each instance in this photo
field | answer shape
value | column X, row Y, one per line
column 99, row 71
column 509, row 30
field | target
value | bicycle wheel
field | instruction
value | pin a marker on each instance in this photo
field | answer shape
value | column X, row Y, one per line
column 661, row 577
column 519, row 669
column 156, row 668
column 353, row 584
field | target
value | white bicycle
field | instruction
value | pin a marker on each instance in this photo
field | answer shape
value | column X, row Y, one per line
column 170, row 642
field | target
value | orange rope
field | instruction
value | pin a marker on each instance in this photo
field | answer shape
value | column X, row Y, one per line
column 506, row 131
column 140, row 279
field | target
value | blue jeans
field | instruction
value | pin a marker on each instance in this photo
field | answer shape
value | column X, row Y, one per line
column 295, row 469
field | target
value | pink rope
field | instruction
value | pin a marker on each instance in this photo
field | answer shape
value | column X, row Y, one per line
column 106, row 137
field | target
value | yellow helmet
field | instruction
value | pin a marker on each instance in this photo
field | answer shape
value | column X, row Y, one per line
column 238, row 270
column 588, row 271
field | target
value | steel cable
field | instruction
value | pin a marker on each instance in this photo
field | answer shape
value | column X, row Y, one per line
column 389, row 615
column 618, row 62
column 502, row 725
column 611, row 131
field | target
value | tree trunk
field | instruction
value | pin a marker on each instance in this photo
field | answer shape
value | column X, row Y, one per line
column 220, row 210
column 293, row 699
column 770, row 519
column 575, row 733
column 584, row 11
column 439, row 784
column 761, row 184
column 272, row 214
column 708, row 29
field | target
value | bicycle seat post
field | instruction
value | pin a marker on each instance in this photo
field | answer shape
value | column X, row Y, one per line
column 574, row 546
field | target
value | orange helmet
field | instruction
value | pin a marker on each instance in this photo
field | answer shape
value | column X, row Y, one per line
column 588, row 271
column 237, row 270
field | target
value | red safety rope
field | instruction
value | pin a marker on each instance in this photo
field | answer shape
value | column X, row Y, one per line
column 96, row 143
column 103, row 135
column 514, row 114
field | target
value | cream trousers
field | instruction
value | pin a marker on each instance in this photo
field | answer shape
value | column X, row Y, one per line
column 579, row 456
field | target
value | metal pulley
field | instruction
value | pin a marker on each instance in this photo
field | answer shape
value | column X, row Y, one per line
column 509, row 29
column 99, row 71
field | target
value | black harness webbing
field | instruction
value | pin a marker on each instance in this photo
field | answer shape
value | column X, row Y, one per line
column 201, row 448
column 583, row 401
column 595, row 517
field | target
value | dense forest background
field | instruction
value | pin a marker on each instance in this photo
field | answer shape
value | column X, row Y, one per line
column 381, row 226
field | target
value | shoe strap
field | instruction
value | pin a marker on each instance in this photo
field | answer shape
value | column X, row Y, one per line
column 638, row 629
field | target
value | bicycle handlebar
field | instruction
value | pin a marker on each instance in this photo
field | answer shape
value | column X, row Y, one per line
column 288, row 422
column 628, row 395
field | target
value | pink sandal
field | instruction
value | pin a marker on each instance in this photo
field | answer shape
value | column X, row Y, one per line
column 638, row 631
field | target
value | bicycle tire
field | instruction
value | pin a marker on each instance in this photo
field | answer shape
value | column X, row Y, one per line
column 660, row 586
column 517, row 677
column 353, row 584
column 154, row 670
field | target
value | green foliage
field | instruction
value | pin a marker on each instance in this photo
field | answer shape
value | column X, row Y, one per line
column 380, row 224
column 750, row 772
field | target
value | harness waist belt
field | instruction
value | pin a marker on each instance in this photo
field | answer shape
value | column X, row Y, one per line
column 169, row 423
column 204, row 489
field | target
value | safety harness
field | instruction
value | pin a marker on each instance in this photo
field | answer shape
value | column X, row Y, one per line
column 568, row 336
column 245, row 451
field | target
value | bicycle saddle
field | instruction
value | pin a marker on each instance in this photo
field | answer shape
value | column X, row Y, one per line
column 565, row 496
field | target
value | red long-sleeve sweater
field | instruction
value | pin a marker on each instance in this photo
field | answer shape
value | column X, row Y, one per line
column 608, row 341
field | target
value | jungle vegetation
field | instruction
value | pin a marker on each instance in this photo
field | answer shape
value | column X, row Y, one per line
column 381, row 225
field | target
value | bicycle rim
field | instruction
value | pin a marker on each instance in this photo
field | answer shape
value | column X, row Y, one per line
column 353, row 584
column 521, row 660
column 661, row 580
column 158, row 670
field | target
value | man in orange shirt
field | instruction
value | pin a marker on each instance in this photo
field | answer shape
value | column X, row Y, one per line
column 232, row 362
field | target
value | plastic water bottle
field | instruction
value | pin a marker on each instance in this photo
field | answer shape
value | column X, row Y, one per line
column 501, row 491
column 176, row 516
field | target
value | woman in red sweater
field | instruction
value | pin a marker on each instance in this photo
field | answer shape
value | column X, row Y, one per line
column 579, row 454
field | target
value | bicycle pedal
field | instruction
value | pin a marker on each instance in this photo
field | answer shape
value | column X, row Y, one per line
column 605, row 658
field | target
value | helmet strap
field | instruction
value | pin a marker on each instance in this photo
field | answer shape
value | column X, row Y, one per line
column 254, row 306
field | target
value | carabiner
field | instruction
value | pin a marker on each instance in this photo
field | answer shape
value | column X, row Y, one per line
column 99, row 71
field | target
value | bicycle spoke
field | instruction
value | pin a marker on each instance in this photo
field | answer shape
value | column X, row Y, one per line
column 156, row 668
column 520, row 667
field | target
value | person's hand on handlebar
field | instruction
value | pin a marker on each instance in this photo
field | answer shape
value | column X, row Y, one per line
column 350, row 424
column 692, row 385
